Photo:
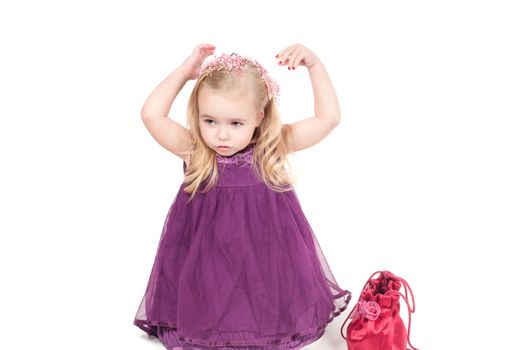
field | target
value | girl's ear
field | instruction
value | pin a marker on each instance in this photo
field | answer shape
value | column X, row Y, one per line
column 259, row 118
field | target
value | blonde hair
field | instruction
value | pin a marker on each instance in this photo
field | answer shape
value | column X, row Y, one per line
column 270, row 137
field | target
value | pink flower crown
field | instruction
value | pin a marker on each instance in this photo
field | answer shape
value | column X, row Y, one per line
column 238, row 63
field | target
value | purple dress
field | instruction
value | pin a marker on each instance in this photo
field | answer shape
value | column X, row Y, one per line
column 239, row 268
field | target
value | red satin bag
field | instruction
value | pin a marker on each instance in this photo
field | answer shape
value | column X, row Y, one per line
column 375, row 320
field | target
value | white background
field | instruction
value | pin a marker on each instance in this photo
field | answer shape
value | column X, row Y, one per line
column 425, row 176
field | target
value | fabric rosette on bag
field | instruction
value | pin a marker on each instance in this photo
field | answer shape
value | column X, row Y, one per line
column 375, row 320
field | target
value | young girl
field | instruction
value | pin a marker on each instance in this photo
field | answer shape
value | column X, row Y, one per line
column 238, row 266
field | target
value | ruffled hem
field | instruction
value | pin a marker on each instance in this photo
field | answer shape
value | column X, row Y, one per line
column 172, row 341
column 167, row 334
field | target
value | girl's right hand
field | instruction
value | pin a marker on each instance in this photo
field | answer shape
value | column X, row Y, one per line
column 192, row 64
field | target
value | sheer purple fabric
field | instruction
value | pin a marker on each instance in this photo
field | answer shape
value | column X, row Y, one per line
column 239, row 268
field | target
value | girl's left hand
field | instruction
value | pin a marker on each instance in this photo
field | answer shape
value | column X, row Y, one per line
column 297, row 55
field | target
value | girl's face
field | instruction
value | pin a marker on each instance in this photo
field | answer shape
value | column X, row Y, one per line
column 227, row 120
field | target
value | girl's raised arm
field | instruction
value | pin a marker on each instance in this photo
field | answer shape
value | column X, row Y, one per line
column 308, row 132
column 168, row 133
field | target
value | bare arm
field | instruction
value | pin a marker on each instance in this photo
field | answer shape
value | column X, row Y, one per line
column 160, row 100
column 310, row 131
column 326, row 103
column 168, row 133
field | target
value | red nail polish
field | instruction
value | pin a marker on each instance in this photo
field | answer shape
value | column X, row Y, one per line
column 280, row 62
column 288, row 67
column 294, row 68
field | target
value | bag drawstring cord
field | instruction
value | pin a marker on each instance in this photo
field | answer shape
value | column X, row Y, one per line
column 410, row 309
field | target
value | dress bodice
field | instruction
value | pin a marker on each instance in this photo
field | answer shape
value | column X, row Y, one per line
column 236, row 170
column 241, row 158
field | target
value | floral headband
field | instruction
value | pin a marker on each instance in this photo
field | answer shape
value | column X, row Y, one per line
column 238, row 63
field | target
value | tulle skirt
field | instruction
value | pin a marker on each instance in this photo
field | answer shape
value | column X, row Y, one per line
column 240, row 268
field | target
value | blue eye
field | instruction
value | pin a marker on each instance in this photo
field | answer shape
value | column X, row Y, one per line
column 208, row 120
column 238, row 123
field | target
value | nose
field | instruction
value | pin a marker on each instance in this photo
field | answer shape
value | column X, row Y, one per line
column 223, row 134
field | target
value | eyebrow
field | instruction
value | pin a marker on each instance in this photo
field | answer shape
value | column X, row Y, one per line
column 231, row 119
